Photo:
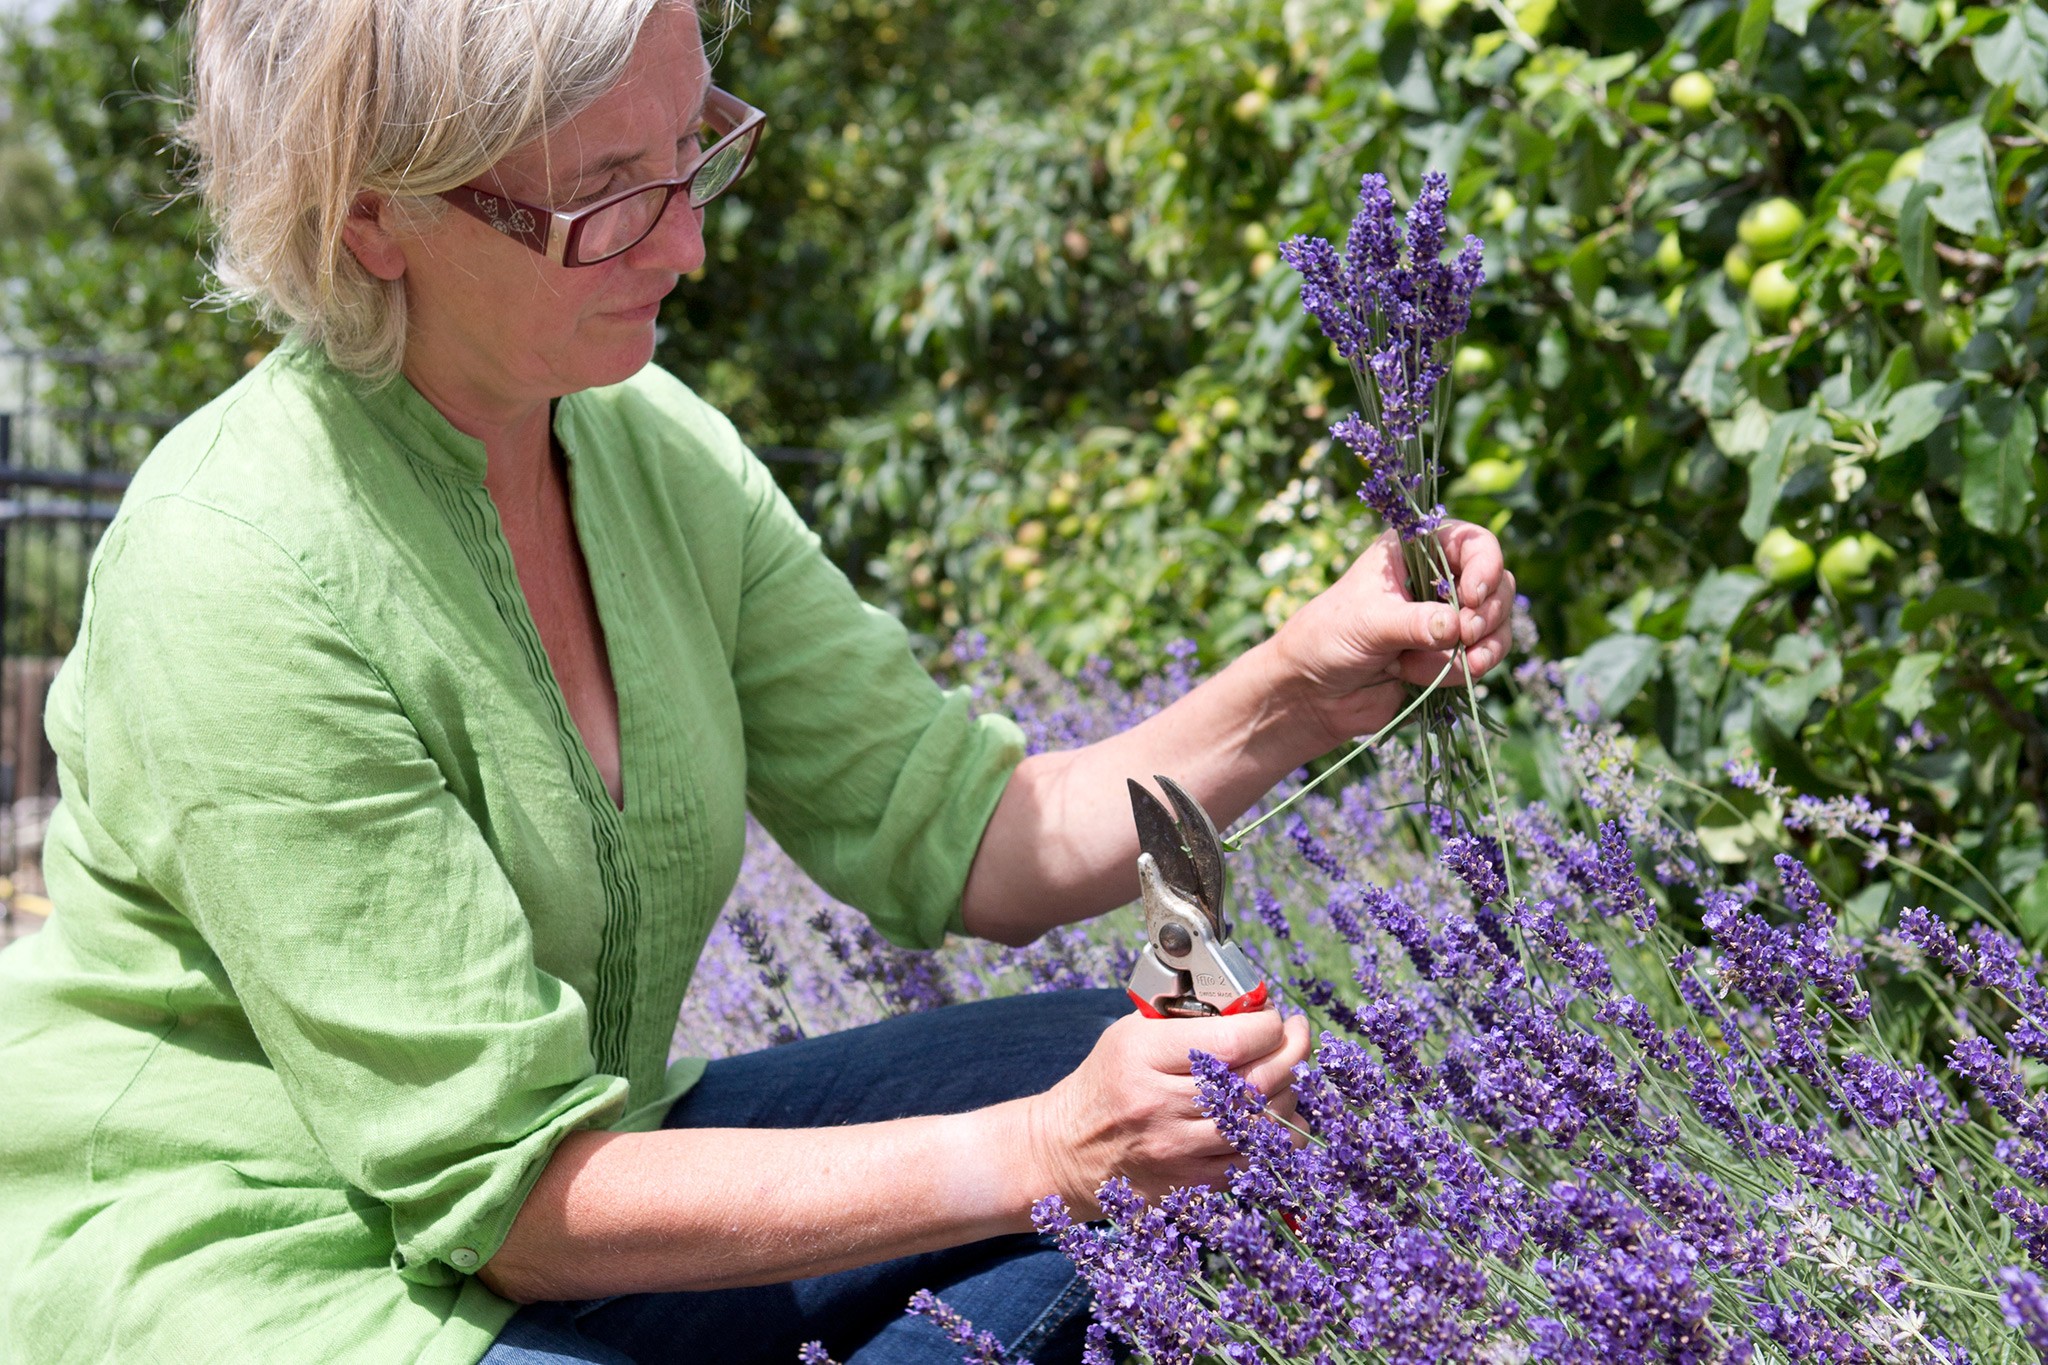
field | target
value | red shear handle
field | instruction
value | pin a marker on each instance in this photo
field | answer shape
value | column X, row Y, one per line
column 1253, row 999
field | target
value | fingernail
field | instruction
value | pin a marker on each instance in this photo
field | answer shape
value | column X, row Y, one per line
column 1441, row 624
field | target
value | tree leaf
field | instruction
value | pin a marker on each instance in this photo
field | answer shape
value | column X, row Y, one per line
column 1742, row 434
column 2017, row 55
column 1749, row 34
column 1863, row 913
column 1785, row 703
column 1789, row 432
column 1950, row 599
column 1916, row 245
column 1709, row 382
column 1738, row 827
column 1718, row 602
column 1793, row 14
column 1958, row 164
column 2031, row 905
column 1611, row 671
column 1911, row 690
column 1913, row 412
column 1998, row 463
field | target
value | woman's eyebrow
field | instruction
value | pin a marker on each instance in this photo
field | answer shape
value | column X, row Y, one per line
column 611, row 161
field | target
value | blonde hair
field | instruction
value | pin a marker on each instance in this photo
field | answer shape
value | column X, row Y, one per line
column 299, row 106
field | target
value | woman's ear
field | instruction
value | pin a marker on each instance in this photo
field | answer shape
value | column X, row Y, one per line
column 369, row 238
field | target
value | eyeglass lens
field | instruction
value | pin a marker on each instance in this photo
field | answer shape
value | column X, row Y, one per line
column 621, row 226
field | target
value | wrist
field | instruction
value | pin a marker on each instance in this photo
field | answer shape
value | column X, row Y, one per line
column 1015, row 1146
column 1286, row 726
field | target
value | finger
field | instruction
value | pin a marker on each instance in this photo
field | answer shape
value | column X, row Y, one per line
column 1474, row 553
column 1491, row 615
column 1274, row 1073
column 1489, row 653
column 1399, row 628
column 1236, row 1040
column 1422, row 667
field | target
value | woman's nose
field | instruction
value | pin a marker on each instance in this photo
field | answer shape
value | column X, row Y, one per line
column 677, row 242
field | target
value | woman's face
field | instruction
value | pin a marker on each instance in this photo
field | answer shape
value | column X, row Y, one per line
column 494, row 323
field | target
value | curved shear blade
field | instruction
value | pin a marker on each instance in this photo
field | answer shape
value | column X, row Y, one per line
column 1205, row 849
column 1159, row 836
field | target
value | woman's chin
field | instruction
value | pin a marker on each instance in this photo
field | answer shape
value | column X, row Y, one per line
column 618, row 356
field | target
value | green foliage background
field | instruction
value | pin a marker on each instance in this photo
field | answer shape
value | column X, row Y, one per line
column 1018, row 263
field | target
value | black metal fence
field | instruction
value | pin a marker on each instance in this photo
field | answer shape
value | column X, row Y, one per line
column 65, row 457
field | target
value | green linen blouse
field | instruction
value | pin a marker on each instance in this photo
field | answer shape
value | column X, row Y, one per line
column 348, row 933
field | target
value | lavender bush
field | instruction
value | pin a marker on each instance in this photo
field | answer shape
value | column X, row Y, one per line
column 1644, row 1110
column 1583, row 1093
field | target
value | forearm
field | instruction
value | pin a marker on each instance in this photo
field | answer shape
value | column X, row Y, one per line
column 693, row 1209
column 1061, row 845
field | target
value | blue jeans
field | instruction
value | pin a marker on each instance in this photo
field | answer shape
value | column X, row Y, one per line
column 943, row 1061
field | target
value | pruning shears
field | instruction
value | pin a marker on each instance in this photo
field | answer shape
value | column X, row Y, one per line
column 1188, row 967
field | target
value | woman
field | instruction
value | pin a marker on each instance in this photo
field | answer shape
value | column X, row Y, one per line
column 425, row 677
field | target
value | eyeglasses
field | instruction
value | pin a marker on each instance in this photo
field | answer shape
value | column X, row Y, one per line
column 620, row 222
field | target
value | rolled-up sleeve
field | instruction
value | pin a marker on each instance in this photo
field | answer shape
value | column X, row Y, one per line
column 268, row 786
column 874, row 779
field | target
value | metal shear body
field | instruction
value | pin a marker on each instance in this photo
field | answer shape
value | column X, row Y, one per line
column 1189, row 966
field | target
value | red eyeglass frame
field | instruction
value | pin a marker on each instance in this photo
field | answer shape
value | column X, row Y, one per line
column 556, row 235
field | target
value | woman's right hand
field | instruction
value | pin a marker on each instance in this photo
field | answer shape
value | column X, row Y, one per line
column 1129, row 1109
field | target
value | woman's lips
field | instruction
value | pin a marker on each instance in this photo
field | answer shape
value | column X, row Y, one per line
column 643, row 312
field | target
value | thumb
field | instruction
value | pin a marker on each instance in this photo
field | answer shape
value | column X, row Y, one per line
column 1395, row 627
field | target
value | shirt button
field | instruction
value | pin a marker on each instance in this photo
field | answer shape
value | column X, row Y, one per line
column 462, row 1258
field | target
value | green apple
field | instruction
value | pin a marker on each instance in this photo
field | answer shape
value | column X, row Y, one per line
column 1250, row 105
column 1937, row 337
column 1434, row 14
column 1500, row 204
column 1474, row 364
column 1770, row 228
column 1489, row 477
column 1226, row 410
column 1255, row 236
column 1738, row 265
column 1693, row 92
column 1670, row 257
column 1774, row 292
column 1783, row 558
column 1847, row 565
column 1906, row 167
column 1638, row 439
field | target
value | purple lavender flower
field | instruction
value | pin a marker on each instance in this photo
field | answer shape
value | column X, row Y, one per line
column 1977, row 1062
column 1267, row 907
column 1389, row 320
column 1938, row 941
column 1314, row 852
column 1830, row 973
column 981, row 1348
column 1805, row 1332
column 1141, row 1269
column 1883, row 1096
column 2029, row 1220
column 1615, row 875
column 1479, row 864
column 2025, row 1302
column 1586, row 964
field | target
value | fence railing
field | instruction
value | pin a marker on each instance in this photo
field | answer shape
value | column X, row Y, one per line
column 65, row 459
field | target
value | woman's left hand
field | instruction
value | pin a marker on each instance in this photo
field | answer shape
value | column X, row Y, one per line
column 1347, row 654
